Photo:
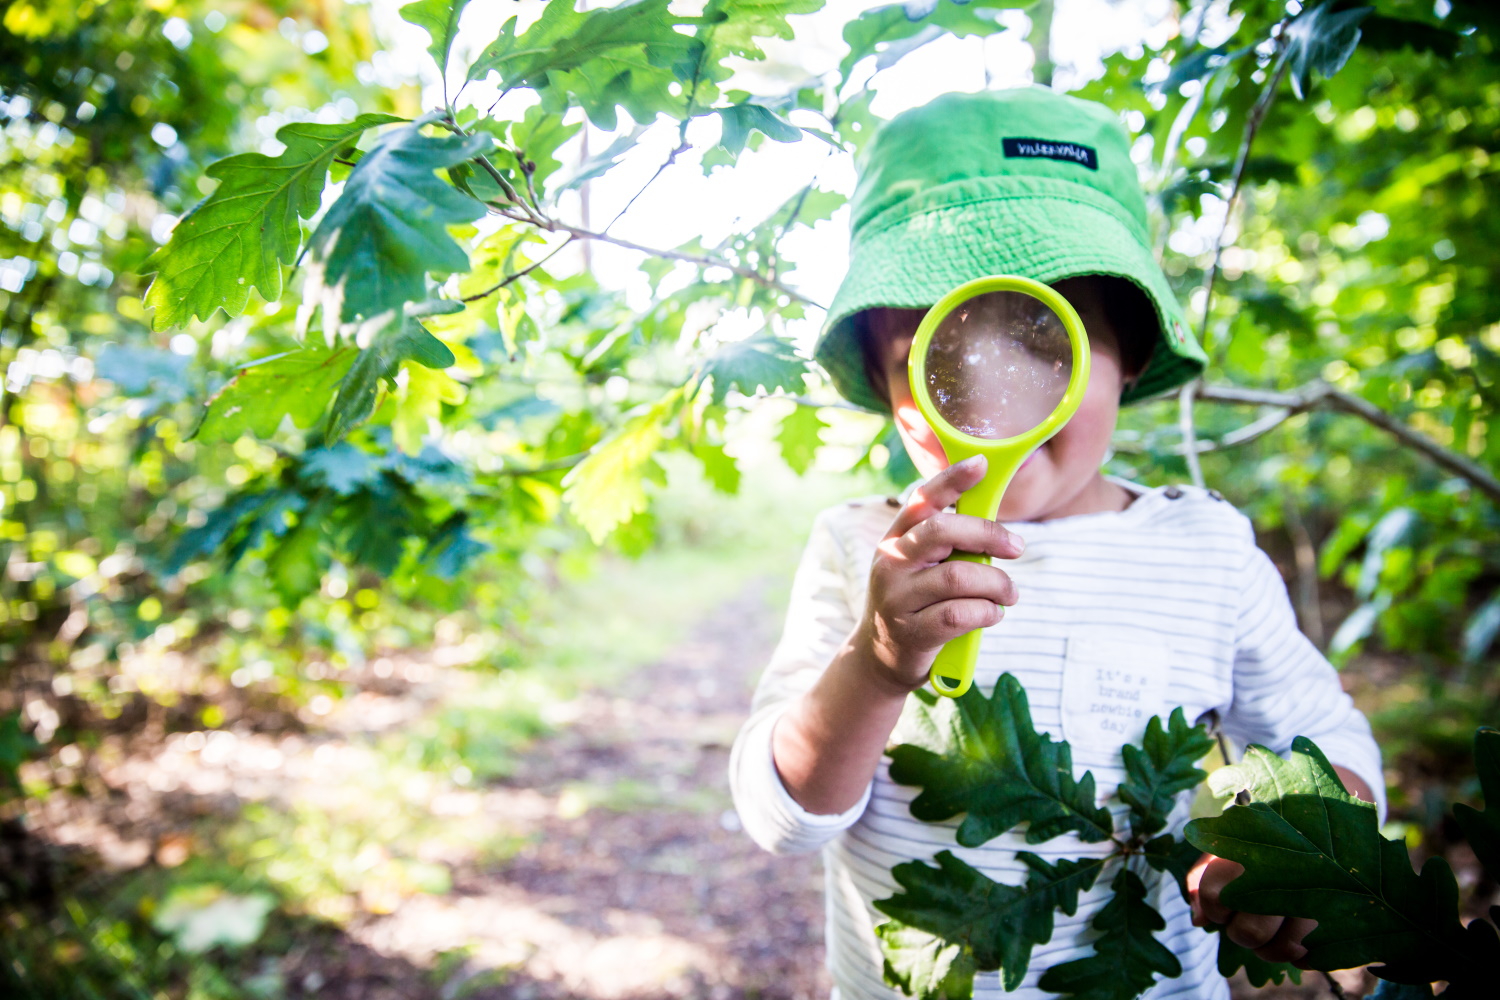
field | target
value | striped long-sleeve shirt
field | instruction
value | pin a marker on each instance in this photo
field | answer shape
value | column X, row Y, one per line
column 1171, row 593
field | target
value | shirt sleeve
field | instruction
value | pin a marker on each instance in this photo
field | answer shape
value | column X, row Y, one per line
column 1285, row 688
column 819, row 618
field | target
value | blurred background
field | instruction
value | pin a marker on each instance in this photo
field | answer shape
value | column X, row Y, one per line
column 440, row 705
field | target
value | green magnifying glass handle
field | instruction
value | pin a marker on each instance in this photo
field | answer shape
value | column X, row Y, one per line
column 953, row 669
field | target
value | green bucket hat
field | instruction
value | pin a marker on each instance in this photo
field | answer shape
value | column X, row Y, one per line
column 1026, row 181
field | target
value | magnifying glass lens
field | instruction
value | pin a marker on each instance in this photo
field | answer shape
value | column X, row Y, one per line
column 998, row 364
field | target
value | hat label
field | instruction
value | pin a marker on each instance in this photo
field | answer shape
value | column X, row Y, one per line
column 1070, row 152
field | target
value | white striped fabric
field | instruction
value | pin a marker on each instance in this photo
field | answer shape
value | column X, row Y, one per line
column 1121, row 616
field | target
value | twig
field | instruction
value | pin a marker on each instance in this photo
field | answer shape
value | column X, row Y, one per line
column 682, row 144
column 1189, row 435
column 1309, row 607
column 533, row 215
column 1252, row 126
column 566, row 462
column 682, row 147
column 519, row 274
column 691, row 258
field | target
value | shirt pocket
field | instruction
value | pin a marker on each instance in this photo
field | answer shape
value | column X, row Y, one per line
column 1112, row 685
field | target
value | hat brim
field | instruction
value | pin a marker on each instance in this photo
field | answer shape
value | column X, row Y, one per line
column 919, row 256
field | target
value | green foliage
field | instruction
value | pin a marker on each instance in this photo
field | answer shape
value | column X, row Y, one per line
column 602, row 58
column 239, row 237
column 884, row 29
column 996, row 925
column 747, row 366
column 606, row 489
column 263, row 392
column 1482, row 829
column 1161, row 769
column 983, row 757
column 739, row 120
column 1365, row 242
column 800, row 437
column 1234, row 957
column 1320, row 40
column 1310, row 849
column 397, row 339
column 1127, row 957
column 16, row 747
column 376, row 244
column 439, row 18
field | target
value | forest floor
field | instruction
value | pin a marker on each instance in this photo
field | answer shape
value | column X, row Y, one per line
column 607, row 862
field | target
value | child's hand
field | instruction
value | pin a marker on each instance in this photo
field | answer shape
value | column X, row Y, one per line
column 917, row 602
column 1275, row 939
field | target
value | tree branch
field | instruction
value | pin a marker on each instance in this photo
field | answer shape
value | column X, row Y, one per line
column 1189, row 434
column 1320, row 395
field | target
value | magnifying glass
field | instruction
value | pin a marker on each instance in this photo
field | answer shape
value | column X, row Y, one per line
column 997, row 367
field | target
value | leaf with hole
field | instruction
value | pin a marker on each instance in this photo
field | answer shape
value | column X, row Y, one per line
column 1310, row 849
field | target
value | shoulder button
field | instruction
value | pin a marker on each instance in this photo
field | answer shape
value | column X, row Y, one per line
column 892, row 502
column 1216, row 494
column 1172, row 493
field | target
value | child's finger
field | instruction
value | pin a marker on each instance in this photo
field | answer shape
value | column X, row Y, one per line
column 937, row 494
column 1253, row 930
column 957, row 580
column 1287, row 945
column 950, row 619
column 938, row 537
column 1216, row 873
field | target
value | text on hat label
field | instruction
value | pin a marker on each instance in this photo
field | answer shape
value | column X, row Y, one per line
column 1071, row 152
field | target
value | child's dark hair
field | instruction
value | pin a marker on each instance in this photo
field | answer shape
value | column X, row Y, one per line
column 1126, row 306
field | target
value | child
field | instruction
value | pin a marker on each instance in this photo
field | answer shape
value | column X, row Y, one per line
column 1167, row 581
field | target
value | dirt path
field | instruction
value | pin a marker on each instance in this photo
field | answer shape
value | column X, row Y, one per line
column 638, row 882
